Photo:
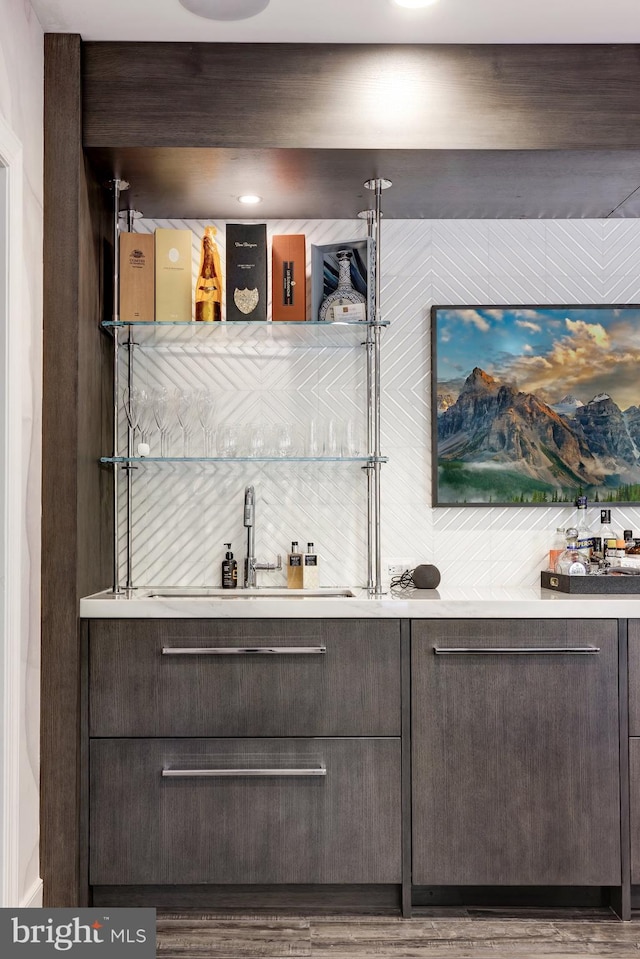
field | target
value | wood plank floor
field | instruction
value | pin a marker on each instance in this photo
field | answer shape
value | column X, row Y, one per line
column 470, row 935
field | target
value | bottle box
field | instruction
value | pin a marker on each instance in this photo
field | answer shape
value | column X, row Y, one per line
column 246, row 273
column 137, row 277
column 289, row 277
column 174, row 286
column 325, row 271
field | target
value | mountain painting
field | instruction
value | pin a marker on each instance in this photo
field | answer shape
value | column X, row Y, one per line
column 536, row 404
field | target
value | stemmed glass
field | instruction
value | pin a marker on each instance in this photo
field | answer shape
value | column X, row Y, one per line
column 162, row 415
column 205, row 408
column 130, row 401
column 183, row 401
column 145, row 421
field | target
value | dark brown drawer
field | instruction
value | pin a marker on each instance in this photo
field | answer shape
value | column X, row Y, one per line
column 292, row 811
column 634, row 677
column 634, row 775
column 325, row 678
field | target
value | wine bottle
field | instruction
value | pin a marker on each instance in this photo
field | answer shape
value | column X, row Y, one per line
column 209, row 284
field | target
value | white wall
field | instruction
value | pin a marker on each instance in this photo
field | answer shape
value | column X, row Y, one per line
column 21, row 107
column 183, row 515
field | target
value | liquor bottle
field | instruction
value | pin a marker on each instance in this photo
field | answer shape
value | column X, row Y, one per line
column 344, row 294
column 586, row 539
column 573, row 561
column 209, row 284
column 608, row 536
column 558, row 544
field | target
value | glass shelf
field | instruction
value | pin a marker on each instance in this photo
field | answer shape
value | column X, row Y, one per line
column 243, row 459
column 207, row 337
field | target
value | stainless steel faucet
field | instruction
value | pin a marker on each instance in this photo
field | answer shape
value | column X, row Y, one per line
column 251, row 564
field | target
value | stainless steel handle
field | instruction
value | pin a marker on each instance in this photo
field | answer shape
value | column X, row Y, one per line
column 243, row 650
column 516, row 650
column 193, row 773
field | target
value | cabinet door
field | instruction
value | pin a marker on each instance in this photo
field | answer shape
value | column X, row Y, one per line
column 341, row 678
column 634, row 677
column 634, row 775
column 275, row 820
column 515, row 755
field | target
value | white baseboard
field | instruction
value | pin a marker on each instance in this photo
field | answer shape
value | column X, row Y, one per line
column 33, row 897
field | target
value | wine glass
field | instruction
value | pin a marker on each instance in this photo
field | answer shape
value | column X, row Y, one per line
column 162, row 415
column 205, row 408
column 183, row 404
column 130, row 401
column 144, row 404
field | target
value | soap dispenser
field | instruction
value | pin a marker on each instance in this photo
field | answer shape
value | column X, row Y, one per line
column 294, row 567
column 229, row 569
column 310, row 568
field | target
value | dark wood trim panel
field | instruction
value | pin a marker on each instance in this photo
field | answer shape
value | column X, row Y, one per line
column 362, row 96
column 74, row 496
column 475, row 131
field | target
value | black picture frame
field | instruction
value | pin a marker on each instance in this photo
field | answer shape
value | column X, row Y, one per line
column 533, row 405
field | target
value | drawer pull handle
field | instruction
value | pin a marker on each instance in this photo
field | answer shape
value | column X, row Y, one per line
column 192, row 773
column 243, row 650
column 517, row 651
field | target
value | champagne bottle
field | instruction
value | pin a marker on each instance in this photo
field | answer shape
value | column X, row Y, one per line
column 209, row 284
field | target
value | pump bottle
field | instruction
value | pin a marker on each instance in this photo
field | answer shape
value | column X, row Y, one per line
column 229, row 570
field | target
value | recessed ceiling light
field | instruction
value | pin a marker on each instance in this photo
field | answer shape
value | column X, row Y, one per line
column 250, row 198
column 225, row 9
column 414, row 4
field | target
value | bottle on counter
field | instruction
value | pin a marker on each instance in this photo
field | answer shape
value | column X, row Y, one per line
column 209, row 283
column 294, row 567
column 607, row 535
column 310, row 568
column 229, row 570
column 573, row 561
column 616, row 554
column 558, row 545
column 586, row 538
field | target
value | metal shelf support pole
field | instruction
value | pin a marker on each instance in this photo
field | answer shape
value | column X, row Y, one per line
column 378, row 185
column 117, row 186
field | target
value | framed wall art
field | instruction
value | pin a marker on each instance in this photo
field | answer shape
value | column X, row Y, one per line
column 535, row 404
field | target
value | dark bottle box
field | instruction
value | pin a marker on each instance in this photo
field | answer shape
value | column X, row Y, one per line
column 246, row 261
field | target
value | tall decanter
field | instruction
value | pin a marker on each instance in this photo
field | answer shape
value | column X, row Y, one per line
column 209, row 283
column 344, row 294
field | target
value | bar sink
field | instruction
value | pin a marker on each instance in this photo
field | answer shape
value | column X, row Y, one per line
column 257, row 593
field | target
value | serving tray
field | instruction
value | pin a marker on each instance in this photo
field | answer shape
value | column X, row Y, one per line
column 601, row 584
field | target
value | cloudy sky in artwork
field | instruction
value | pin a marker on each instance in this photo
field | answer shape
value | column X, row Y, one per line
column 549, row 351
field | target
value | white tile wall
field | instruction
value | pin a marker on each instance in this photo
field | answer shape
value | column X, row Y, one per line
column 183, row 516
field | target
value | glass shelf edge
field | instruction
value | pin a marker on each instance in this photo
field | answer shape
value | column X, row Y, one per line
column 243, row 459
column 259, row 324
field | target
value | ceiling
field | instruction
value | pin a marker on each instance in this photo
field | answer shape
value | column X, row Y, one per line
column 353, row 21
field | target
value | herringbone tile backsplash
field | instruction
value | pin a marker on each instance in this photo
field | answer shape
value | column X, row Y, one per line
column 183, row 514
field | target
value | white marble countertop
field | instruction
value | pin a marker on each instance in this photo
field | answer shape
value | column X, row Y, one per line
column 442, row 603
